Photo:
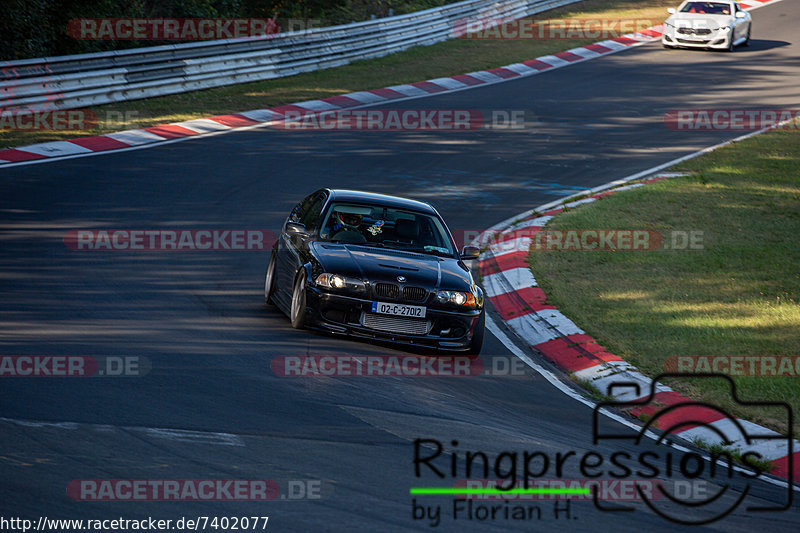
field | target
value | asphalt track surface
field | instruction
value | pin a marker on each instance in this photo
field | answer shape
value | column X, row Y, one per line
column 200, row 319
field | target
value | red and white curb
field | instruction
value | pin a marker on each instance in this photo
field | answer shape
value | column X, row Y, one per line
column 512, row 288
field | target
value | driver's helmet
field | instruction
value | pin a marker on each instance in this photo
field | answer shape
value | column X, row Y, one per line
column 348, row 220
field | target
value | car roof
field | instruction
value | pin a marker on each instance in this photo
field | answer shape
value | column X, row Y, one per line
column 346, row 195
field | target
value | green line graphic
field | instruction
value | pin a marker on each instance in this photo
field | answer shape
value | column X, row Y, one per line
column 422, row 491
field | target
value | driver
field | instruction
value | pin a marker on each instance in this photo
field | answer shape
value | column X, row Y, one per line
column 346, row 227
column 347, row 220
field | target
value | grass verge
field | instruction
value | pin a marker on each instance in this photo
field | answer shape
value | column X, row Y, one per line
column 456, row 56
column 736, row 296
column 720, row 451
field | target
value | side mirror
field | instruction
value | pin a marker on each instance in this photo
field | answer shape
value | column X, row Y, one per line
column 470, row 252
column 740, row 14
column 672, row 11
column 295, row 228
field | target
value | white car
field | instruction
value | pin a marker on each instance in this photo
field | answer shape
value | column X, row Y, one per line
column 721, row 24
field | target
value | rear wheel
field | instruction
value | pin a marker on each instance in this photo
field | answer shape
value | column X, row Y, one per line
column 476, row 343
column 298, row 311
column 269, row 281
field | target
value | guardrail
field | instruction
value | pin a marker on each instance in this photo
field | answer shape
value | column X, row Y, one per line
column 68, row 82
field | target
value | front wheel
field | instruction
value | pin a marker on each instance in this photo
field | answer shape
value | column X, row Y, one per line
column 476, row 343
column 749, row 31
column 298, row 311
column 269, row 281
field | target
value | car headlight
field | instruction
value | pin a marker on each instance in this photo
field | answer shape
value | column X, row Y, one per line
column 338, row 282
column 458, row 298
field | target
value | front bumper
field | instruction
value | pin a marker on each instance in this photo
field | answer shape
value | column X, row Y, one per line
column 718, row 40
column 344, row 314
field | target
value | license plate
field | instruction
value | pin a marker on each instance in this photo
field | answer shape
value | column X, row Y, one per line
column 385, row 308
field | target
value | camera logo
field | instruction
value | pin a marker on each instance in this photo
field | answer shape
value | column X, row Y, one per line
column 737, row 453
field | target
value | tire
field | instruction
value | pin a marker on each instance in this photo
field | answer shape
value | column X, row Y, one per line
column 269, row 280
column 476, row 343
column 749, row 31
column 298, row 310
column 730, row 44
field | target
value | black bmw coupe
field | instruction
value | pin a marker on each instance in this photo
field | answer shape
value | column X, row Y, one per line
column 376, row 266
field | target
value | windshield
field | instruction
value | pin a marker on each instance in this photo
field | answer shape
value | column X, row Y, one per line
column 707, row 8
column 386, row 227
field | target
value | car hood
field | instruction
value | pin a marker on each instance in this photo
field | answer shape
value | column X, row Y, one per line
column 699, row 20
column 378, row 264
